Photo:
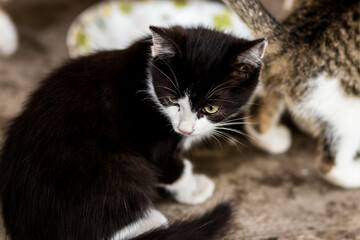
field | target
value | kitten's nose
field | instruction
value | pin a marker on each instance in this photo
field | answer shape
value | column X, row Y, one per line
column 185, row 132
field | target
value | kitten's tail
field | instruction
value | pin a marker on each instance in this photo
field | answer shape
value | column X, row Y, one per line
column 210, row 225
column 262, row 23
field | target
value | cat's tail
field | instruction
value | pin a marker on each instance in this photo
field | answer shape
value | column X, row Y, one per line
column 262, row 23
column 210, row 225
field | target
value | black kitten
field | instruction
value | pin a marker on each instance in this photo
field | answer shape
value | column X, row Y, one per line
column 83, row 159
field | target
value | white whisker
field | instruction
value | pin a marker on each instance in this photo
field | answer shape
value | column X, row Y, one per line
column 231, row 139
column 165, row 76
column 176, row 81
column 217, row 141
column 235, row 131
column 213, row 90
column 222, row 100
column 168, row 89
column 232, row 123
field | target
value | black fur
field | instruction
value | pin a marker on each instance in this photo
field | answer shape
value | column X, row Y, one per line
column 83, row 158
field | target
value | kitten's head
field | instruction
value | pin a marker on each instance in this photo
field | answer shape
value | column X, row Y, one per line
column 201, row 78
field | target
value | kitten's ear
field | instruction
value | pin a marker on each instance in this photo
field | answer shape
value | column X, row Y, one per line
column 254, row 54
column 162, row 45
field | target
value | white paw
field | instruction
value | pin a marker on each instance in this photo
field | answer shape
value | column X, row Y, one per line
column 201, row 189
column 277, row 140
column 346, row 176
column 8, row 38
column 191, row 188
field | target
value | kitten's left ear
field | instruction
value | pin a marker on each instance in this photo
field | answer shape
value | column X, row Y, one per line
column 162, row 44
column 254, row 54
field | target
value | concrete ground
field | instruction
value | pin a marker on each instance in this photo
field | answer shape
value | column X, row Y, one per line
column 277, row 197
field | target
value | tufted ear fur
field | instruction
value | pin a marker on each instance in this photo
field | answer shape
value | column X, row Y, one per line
column 254, row 54
column 162, row 45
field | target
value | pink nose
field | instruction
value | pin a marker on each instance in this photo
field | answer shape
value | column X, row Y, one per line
column 185, row 132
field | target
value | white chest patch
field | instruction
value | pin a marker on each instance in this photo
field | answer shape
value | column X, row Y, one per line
column 329, row 103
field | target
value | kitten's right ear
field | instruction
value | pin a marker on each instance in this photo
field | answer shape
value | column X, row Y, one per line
column 162, row 45
column 254, row 54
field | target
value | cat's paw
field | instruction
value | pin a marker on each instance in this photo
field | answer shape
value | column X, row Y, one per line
column 346, row 176
column 191, row 188
column 203, row 188
column 276, row 141
column 8, row 39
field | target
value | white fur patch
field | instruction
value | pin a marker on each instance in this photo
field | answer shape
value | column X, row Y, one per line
column 346, row 175
column 342, row 112
column 275, row 141
column 331, row 105
column 153, row 219
column 183, row 119
column 8, row 38
column 191, row 188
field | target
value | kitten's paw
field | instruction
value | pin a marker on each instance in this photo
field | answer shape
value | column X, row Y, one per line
column 202, row 189
column 191, row 188
column 346, row 176
column 277, row 140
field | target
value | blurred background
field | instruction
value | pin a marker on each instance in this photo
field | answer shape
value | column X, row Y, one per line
column 277, row 196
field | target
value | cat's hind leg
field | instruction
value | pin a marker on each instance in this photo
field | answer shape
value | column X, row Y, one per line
column 340, row 161
column 191, row 188
column 264, row 128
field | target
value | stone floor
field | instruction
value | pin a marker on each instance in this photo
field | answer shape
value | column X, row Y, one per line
column 277, row 197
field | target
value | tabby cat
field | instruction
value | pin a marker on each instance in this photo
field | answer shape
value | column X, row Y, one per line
column 102, row 132
column 313, row 70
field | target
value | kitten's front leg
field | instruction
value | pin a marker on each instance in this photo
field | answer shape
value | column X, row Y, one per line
column 185, row 186
column 191, row 188
column 176, row 173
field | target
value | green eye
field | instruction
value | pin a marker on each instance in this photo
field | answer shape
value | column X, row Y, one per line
column 211, row 109
column 172, row 100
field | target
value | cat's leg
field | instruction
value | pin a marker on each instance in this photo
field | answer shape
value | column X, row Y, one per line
column 176, row 174
column 340, row 160
column 264, row 128
column 191, row 188
column 151, row 220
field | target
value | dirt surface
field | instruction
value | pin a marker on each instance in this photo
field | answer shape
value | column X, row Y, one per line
column 277, row 197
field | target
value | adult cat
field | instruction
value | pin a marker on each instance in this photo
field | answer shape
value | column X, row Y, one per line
column 312, row 66
column 83, row 159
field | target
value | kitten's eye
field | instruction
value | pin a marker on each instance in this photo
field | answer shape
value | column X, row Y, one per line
column 211, row 109
column 172, row 100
